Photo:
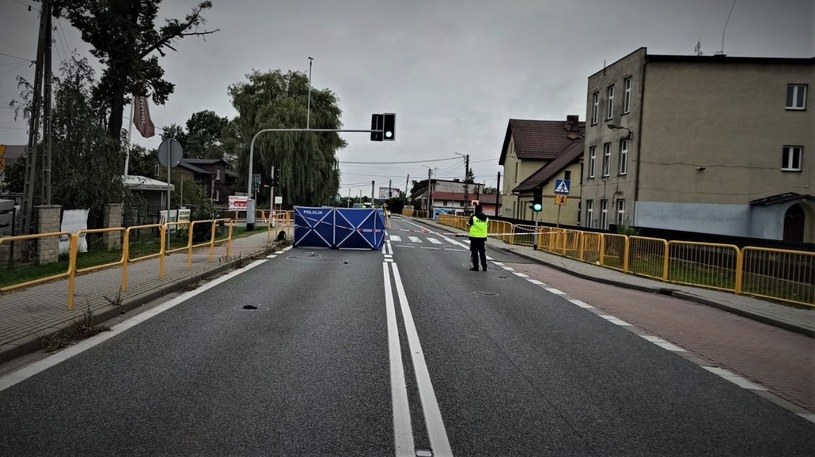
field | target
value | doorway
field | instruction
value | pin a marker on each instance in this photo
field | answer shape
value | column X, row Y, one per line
column 794, row 222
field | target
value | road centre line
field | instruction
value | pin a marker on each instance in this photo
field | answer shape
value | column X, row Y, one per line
column 402, row 429
column 71, row 351
column 432, row 415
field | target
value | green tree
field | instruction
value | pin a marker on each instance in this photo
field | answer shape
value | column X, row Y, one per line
column 203, row 138
column 124, row 38
column 142, row 162
column 307, row 162
column 81, row 143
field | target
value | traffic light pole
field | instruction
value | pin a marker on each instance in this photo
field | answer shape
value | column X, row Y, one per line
column 250, row 204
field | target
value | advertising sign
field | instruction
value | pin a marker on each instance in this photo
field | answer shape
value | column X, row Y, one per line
column 238, row 202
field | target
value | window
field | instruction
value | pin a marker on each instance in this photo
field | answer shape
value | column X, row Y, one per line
column 567, row 175
column 791, row 158
column 516, row 171
column 623, row 157
column 218, row 174
column 217, row 195
column 604, row 214
column 610, row 98
column 592, row 160
column 620, row 213
column 606, row 158
column 797, row 96
column 589, row 212
column 627, row 95
column 595, row 106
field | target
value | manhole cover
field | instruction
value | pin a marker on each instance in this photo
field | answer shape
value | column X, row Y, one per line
column 485, row 294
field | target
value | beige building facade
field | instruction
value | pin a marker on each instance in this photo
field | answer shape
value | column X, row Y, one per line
column 709, row 144
column 536, row 154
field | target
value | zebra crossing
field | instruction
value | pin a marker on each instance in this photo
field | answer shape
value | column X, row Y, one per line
column 429, row 242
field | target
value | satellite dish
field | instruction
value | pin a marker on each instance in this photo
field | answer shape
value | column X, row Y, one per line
column 170, row 152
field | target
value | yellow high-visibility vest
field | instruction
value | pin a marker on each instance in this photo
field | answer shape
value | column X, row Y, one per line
column 479, row 228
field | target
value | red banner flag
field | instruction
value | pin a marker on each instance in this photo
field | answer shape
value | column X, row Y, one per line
column 141, row 117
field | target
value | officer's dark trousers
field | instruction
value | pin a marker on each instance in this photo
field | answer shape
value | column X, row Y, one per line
column 478, row 249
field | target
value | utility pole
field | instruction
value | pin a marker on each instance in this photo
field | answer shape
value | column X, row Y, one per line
column 389, row 189
column 45, row 195
column 34, row 124
column 466, row 184
column 429, row 195
column 498, row 195
column 373, row 183
column 406, row 185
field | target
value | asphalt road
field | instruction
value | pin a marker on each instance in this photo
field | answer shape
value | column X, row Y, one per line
column 379, row 353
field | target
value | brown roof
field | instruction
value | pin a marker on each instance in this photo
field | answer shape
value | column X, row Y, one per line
column 542, row 140
column 541, row 177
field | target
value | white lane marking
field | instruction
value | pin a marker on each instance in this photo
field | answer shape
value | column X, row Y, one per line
column 520, row 275
column 415, row 239
column 455, row 250
column 287, row 248
column 429, row 247
column 556, row 291
column 808, row 416
column 272, row 256
column 450, row 240
column 535, row 281
column 432, row 415
column 500, row 264
column 396, row 238
column 582, row 304
column 615, row 320
column 389, row 260
column 405, row 246
column 71, row 351
column 489, row 258
column 390, row 246
column 508, row 268
column 663, row 344
column 279, row 252
column 434, row 241
column 734, row 378
column 402, row 429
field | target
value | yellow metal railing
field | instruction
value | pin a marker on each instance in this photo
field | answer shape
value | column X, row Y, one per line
column 779, row 274
column 125, row 259
column 768, row 273
column 715, row 266
column 37, row 236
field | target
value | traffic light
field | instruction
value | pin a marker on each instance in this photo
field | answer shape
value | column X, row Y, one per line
column 389, row 126
column 275, row 176
column 537, row 199
column 376, row 127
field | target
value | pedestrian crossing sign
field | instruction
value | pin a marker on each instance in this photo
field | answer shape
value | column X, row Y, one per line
column 562, row 186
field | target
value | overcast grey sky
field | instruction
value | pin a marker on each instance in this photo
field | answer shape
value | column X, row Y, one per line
column 454, row 71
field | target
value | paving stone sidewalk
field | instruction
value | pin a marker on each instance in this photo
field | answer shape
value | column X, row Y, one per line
column 30, row 314
column 787, row 317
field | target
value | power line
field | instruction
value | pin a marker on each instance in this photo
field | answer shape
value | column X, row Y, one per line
column 16, row 57
column 396, row 163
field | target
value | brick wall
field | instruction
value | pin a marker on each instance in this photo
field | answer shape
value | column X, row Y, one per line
column 48, row 220
column 112, row 218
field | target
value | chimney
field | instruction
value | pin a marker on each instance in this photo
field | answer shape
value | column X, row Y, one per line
column 572, row 123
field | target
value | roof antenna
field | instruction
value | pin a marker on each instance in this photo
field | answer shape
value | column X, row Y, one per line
column 721, row 51
column 698, row 48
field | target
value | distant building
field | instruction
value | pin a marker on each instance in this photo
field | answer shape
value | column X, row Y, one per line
column 710, row 144
column 449, row 197
column 537, row 153
column 388, row 192
column 213, row 175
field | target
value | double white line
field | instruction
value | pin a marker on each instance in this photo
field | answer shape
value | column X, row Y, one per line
column 402, row 429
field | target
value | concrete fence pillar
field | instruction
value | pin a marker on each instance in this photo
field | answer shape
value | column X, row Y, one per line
column 113, row 218
column 48, row 220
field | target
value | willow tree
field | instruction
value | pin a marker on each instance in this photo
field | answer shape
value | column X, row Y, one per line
column 306, row 161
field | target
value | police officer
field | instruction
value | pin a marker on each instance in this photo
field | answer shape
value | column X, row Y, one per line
column 478, row 224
